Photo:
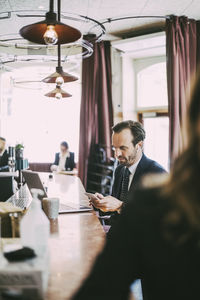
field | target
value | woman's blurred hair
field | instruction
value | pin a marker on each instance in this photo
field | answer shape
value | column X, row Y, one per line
column 183, row 186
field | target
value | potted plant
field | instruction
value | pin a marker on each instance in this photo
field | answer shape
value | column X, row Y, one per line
column 19, row 151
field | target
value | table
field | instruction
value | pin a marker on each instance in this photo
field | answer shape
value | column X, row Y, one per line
column 75, row 241
column 73, row 248
column 8, row 174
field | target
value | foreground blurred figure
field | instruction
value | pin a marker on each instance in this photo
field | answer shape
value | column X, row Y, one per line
column 157, row 237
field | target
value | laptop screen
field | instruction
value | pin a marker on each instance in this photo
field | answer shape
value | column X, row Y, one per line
column 33, row 181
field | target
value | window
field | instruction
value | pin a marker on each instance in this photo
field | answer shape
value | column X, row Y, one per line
column 156, row 143
column 39, row 122
column 152, row 106
column 152, row 86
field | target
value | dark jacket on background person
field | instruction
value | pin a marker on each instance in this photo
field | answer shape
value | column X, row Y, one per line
column 4, row 162
column 69, row 164
column 139, row 249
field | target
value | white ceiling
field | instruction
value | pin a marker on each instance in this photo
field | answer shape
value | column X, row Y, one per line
column 101, row 10
column 104, row 9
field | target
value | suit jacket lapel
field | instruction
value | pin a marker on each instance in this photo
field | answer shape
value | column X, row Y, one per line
column 118, row 183
column 138, row 173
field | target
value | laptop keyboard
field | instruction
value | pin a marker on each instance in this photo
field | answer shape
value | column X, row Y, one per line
column 21, row 198
column 19, row 202
column 65, row 207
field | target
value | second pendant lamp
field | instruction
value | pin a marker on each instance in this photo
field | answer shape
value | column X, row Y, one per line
column 59, row 77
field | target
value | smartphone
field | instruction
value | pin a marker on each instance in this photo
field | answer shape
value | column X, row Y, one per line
column 91, row 196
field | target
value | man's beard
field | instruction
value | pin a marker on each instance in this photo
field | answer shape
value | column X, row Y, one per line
column 127, row 161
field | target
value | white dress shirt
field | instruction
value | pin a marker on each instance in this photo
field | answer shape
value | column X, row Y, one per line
column 132, row 169
column 62, row 161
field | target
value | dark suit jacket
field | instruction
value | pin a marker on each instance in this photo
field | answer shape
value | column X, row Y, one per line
column 69, row 164
column 138, row 248
column 145, row 166
column 4, row 162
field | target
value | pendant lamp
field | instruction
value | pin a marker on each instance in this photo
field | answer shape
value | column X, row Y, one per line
column 50, row 31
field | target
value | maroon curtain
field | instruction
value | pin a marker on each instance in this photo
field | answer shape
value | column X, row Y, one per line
column 96, row 116
column 198, row 44
column 181, row 48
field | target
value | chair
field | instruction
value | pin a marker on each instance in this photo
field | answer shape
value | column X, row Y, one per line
column 40, row 167
column 100, row 171
column 6, row 188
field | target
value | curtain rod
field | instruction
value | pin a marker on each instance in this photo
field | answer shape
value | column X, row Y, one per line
column 109, row 20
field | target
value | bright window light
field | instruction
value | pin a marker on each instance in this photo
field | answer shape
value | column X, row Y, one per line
column 152, row 86
column 41, row 123
column 156, row 145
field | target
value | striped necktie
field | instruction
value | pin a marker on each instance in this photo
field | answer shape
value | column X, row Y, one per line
column 125, row 182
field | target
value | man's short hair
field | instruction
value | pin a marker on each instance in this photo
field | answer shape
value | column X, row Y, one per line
column 2, row 139
column 65, row 144
column 136, row 129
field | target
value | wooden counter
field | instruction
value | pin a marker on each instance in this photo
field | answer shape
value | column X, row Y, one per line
column 72, row 252
column 75, row 241
column 73, row 249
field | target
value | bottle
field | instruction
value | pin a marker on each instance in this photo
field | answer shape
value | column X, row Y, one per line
column 35, row 227
column 11, row 159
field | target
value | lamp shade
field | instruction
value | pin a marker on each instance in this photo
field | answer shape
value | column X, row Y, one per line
column 35, row 32
column 60, row 73
column 56, row 91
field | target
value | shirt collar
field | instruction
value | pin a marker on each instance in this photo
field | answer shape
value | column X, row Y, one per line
column 66, row 155
column 133, row 168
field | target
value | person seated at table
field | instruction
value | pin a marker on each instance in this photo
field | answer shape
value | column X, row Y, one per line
column 64, row 160
column 157, row 237
column 127, row 140
column 3, row 155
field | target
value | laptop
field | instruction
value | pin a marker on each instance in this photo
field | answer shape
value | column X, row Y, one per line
column 33, row 180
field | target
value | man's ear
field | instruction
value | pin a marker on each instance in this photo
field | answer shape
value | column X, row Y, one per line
column 140, row 144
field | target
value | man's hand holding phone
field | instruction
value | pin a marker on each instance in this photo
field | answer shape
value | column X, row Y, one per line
column 94, row 199
column 105, row 204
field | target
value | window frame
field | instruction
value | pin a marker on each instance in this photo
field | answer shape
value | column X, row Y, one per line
column 154, row 111
column 141, row 64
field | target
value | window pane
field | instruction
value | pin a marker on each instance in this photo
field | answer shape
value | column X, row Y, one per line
column 41, row 123
column 152, row 86
column 157, row 139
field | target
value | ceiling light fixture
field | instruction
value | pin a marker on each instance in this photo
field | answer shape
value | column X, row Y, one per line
column 50, row 31
column 66, row 77
column 59, row 77
column 58, row 93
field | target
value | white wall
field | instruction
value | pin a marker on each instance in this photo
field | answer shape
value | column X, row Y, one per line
column 116, row 61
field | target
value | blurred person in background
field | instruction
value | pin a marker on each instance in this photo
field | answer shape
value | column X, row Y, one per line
column 64, row 160
column 157, row 236
column 3, row 155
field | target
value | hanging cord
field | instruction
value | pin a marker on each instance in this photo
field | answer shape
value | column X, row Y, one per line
column 59, row 47
column 51, row 5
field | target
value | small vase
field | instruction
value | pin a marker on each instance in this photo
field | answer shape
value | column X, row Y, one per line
column 19, row 153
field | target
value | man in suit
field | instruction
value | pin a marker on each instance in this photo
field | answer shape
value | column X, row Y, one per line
column 127, row 141
column 3, row 155
column 64, row 161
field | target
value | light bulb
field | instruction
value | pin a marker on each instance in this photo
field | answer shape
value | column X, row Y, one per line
column 59, row 80
column 50, row 36
column 58, row 96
